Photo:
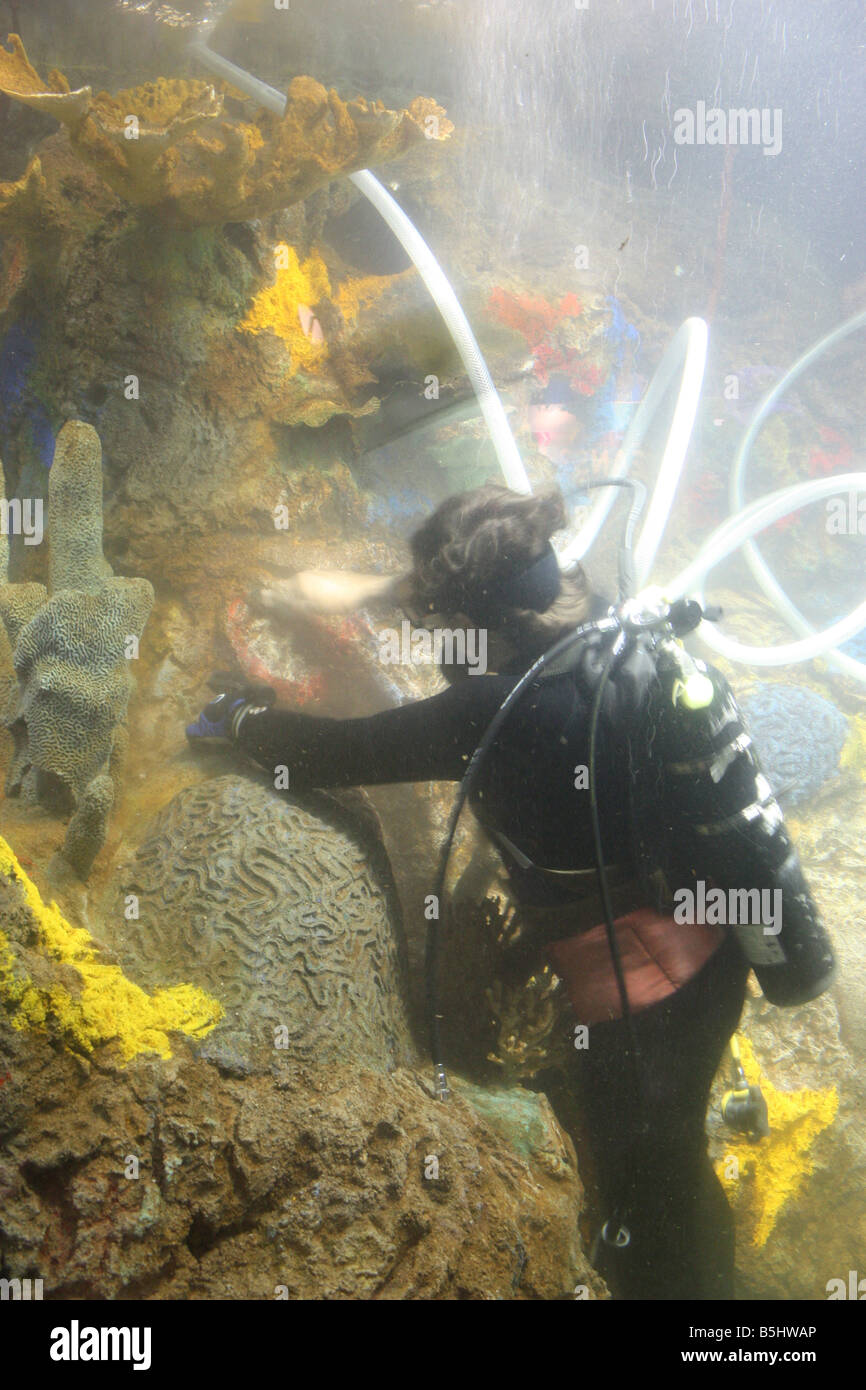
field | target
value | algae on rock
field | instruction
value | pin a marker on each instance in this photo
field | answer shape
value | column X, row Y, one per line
column 71, row 647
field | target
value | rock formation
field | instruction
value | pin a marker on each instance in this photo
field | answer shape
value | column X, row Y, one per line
column 133, row 1168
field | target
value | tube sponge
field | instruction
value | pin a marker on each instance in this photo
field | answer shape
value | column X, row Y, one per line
column 75, row 511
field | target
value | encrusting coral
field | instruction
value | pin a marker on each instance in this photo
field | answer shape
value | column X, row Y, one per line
column 70, row 652
column 170, row 145
column 53, row 980
column 778, row 1166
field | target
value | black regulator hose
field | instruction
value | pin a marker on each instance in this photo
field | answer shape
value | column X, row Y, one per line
column 467, row 786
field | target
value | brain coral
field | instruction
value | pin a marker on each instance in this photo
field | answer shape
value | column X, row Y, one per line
column 286, row 913
column 798, row 737
column 70, row 651
column 73, row 678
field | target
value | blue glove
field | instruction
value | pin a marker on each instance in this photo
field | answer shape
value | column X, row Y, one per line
column 219, row 721
column 214, row 724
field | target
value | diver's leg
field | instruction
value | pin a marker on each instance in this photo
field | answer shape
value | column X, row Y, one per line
column 650, row 1151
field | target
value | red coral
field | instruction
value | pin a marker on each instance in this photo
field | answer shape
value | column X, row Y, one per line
column 528, row 314
column 294, row 692
column 586, row 379
column 531, row 315
column 537, row 321
column 570, row 307
column 824, row 461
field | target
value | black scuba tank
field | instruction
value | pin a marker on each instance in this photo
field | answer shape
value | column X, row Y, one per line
column 723, row 831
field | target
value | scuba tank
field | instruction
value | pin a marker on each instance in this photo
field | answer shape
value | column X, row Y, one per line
column 721, row 828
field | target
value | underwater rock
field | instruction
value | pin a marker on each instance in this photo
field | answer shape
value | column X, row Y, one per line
column 71, row 651
column 798, row 735
column 332, row 1183
column 133, row 1168
column 284, row 912
column 196, row 165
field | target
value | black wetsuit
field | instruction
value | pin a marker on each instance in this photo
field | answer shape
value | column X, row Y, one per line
column 682, row 1233
column 527, row 789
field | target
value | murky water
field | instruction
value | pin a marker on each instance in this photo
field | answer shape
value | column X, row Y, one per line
column 225, row 358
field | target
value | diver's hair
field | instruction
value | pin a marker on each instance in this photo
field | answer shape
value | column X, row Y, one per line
column 478, row 537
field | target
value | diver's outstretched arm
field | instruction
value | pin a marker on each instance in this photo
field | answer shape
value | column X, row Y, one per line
column 327, row 591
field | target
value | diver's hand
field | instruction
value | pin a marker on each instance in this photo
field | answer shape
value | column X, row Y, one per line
column 311, row 592
column 220, row 720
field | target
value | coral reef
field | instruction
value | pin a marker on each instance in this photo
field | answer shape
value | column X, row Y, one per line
column 128, row 1175
column 53, row 980
column 563, row 338
column 506, row 1014
column 780, row 1164
column 133, row 1168
column 169, row 145
column 325, row 370
column 285, row 912
column 71, row 652
column 799, row 737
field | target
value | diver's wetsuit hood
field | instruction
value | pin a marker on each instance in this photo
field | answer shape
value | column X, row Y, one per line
column 535, row 588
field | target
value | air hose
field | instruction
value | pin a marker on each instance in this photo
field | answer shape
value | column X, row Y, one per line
column 686, row 353
column 758, row 565
column 735, row 532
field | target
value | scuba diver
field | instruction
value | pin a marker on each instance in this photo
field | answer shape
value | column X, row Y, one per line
column 591, row 861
